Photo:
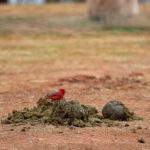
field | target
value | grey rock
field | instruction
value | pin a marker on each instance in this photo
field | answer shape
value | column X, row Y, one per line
column 116, row 110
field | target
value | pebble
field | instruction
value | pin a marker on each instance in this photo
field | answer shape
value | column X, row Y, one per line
column 141, row 140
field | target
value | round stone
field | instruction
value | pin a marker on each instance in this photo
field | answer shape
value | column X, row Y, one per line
column 116, row 110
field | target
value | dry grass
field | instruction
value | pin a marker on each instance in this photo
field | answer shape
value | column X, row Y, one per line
column 52, row 32
column 43, row 10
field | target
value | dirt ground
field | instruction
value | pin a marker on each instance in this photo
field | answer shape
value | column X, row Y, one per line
column 51, row 50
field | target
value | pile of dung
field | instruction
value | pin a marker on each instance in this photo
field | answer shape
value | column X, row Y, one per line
column 56, row 113
column 69, row 113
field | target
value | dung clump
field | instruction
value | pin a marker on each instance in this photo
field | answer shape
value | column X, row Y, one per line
column 116, row 110
column 70, row 113
column 56, row 113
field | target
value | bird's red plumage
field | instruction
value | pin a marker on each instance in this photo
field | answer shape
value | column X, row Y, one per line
column 56, row 95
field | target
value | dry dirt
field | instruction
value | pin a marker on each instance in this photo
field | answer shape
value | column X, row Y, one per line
column 133, row 90
column 93, row 67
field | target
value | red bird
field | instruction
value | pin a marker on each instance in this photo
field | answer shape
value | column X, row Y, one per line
column 56, row 96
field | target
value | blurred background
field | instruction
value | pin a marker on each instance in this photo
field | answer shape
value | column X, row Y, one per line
column 73, row 14
column 47, row 1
